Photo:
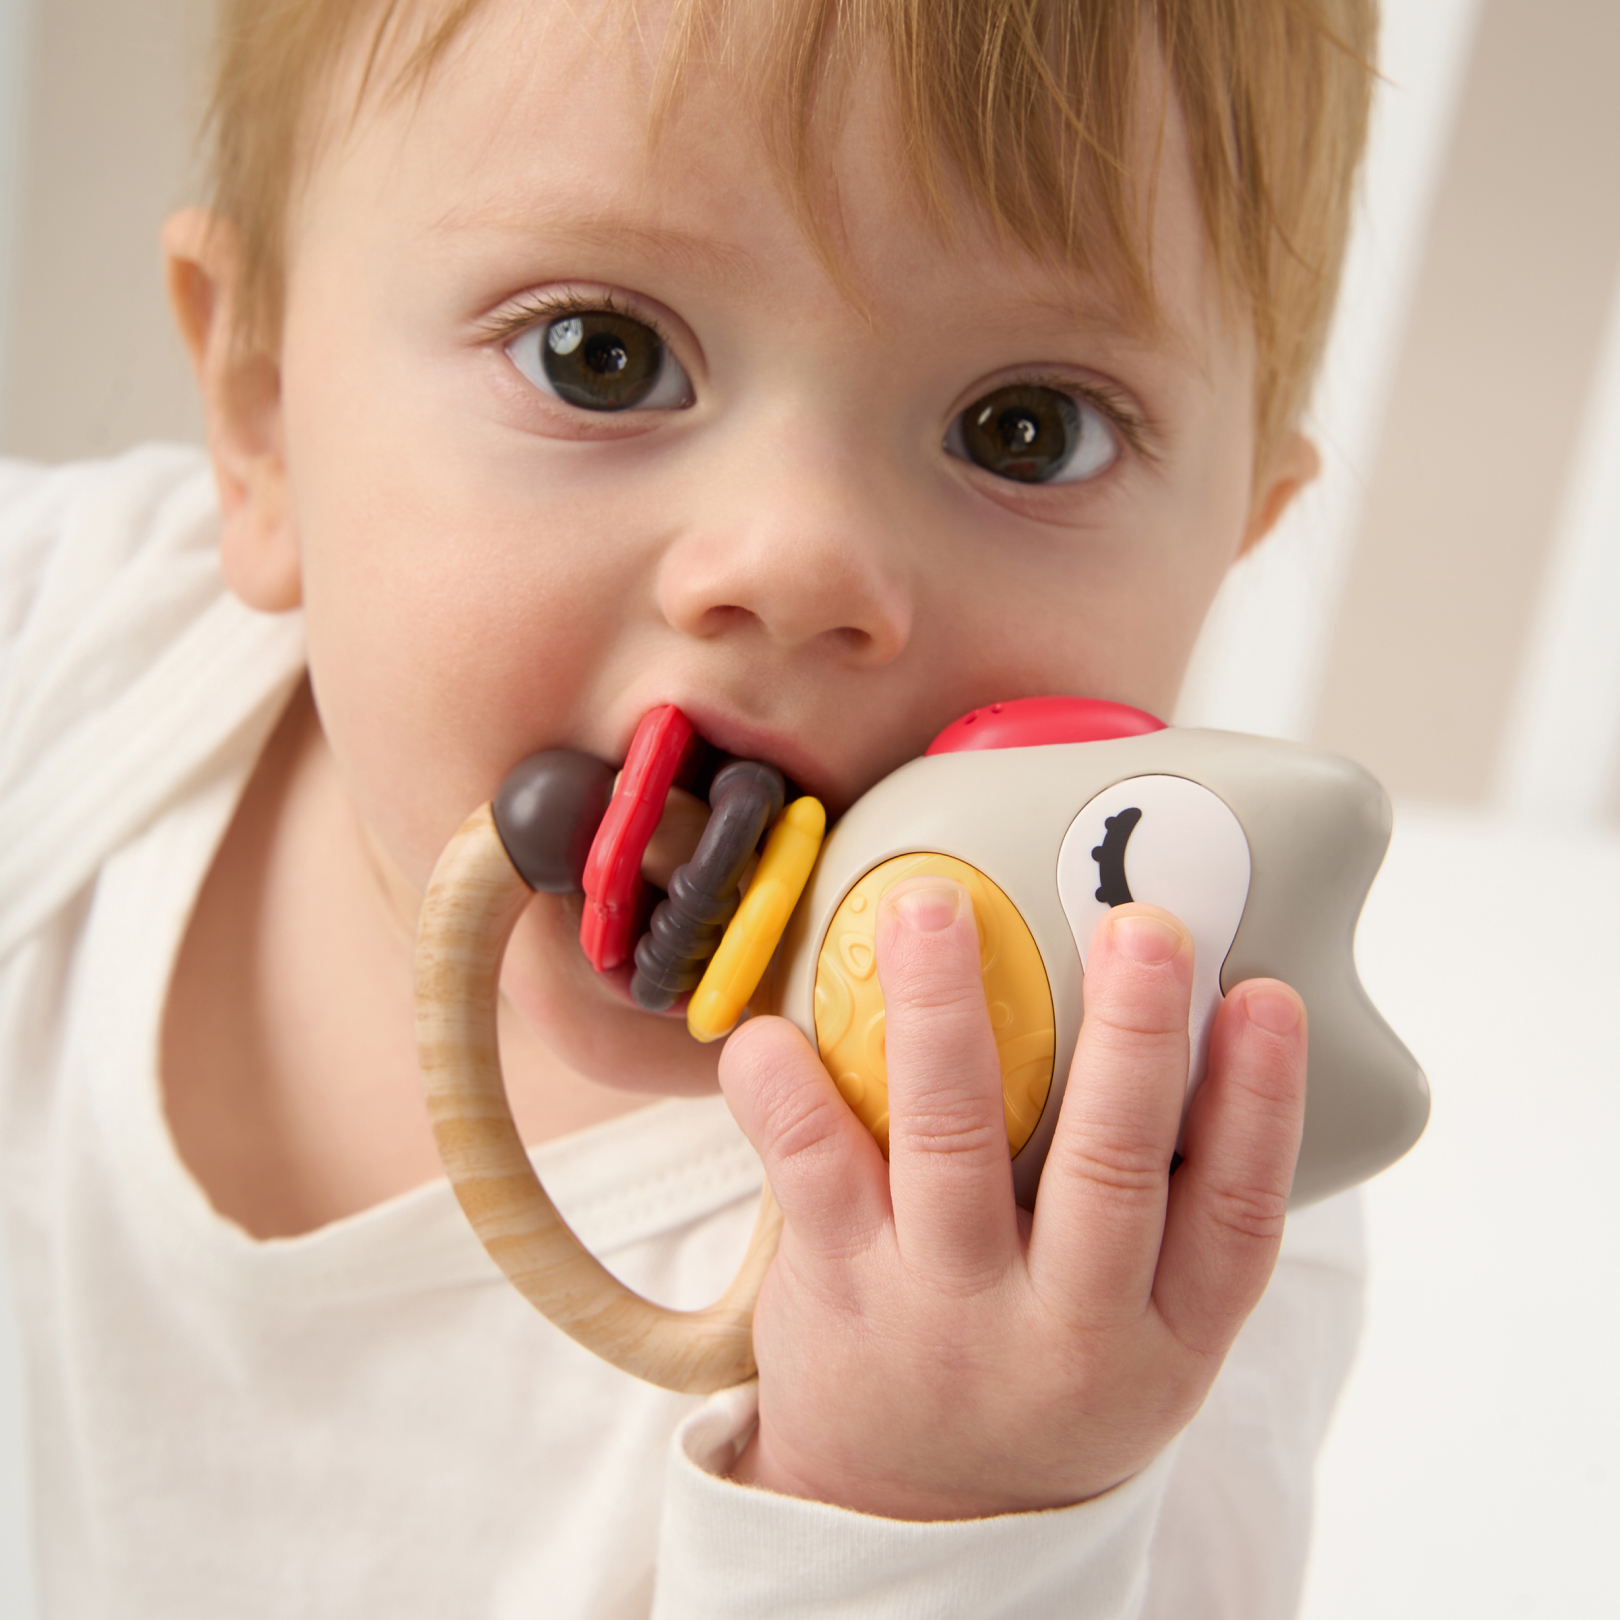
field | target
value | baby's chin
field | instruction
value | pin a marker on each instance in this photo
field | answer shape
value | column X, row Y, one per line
column 587, row 1020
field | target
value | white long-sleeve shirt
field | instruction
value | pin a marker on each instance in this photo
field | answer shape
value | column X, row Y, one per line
column 367, row 1420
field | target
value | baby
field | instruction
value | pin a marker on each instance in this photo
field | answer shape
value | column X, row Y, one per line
column 826, row 372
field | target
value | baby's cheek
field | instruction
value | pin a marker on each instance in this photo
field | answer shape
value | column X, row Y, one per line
column 563, row 1003
column 426, row 708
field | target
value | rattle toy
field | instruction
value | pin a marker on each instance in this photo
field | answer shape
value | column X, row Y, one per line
column 1049, row 810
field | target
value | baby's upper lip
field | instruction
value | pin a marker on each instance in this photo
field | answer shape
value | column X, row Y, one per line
column 779, row 748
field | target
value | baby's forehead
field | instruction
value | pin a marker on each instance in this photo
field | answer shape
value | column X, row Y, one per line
column 621, row 79
column 1050, row 129
column 557, row 114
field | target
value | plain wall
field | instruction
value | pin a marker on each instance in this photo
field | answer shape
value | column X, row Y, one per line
column 106, row 118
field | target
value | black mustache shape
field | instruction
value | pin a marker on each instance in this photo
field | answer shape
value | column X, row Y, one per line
column 1110, row 857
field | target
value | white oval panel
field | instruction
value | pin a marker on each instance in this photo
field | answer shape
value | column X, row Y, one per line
column 1172, row 843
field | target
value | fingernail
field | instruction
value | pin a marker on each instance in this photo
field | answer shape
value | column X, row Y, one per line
column 1147, row 939
column 929, row 910
column 1273, row 1010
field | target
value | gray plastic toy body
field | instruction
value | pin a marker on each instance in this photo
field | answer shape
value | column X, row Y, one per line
column 1265, row 849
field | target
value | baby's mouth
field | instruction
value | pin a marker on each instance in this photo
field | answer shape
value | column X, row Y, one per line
column 571, row 826
column 664, row 877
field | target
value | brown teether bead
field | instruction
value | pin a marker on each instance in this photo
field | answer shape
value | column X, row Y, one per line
column 547, row 812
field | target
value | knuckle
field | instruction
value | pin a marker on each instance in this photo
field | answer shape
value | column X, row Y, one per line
column 803, row 1133
column 1249, row 1213
column 938, row 996
column 937, row 969
column 1133, row 1022
column 1274, row 1090
column 946, row 1132
column 1202, row 1341
column 1131, row 1170
column 1264, row 1108
column 978, row 1282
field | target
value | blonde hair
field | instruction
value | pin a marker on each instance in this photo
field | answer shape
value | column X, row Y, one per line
column 1029, row 105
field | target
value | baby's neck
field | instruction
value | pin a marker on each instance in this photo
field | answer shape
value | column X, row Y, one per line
column 289, row 1056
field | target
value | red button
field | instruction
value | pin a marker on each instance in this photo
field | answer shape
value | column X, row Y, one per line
column 1035, row 722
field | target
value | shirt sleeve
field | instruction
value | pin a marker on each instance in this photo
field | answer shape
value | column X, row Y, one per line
column 119, row 652
column 1216, row 1526
column 730, row 1551
column 1234, row 1533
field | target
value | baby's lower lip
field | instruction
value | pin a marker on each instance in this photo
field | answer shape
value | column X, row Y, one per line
column 618, row 981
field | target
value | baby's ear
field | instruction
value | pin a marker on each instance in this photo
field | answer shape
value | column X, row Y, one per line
column 1293, row 464
column 240, row 381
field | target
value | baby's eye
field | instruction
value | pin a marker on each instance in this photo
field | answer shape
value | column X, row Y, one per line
column 1034, row 435
column 601, row 360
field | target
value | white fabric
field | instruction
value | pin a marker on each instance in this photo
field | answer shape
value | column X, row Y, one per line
column 367, row 1420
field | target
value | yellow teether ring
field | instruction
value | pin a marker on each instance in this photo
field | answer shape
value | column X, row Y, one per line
column 849, row 1003
column 735, row 969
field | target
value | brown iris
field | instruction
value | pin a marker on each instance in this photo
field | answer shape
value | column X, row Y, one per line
column 602, row 361
column 1023, row 432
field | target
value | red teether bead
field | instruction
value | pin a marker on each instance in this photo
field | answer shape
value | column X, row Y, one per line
column 612, row 878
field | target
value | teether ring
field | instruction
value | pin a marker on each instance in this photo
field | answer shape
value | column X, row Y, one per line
column 473, row 902
column 534, row 836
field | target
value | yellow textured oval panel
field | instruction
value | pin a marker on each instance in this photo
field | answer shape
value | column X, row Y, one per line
column 849, row 1004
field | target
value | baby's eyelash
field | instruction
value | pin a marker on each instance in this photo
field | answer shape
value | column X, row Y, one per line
column 1134, row 427
column 534, row 309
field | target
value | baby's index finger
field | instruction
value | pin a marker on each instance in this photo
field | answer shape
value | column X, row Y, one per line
column 950, row 1172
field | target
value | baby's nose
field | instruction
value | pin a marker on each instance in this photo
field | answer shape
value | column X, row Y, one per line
column 802, row 555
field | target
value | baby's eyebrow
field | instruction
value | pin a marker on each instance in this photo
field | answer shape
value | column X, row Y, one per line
column 608, row 232
column 1084, row 302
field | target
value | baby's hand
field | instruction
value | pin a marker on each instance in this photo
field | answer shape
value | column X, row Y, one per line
column 926, row 1350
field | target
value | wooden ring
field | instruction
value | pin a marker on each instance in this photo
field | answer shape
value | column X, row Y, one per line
column 472, row 904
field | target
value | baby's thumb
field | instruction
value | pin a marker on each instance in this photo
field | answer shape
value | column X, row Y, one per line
column 822, row 1164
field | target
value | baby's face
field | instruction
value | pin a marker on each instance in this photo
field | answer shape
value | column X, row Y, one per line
column 573, row 428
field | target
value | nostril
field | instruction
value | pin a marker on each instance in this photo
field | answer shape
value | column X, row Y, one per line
column 794, row 586
column 717, row 622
